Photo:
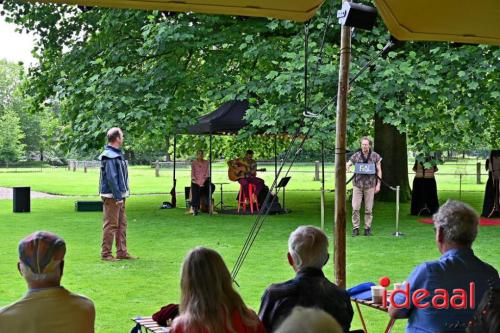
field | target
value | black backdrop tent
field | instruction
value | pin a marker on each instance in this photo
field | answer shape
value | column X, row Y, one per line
column 229, row 119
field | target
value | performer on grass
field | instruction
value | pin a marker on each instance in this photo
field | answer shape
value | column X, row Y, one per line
column 248, row 173
column 200, row 181
column 424, row 199
column 114, row 191
column 491, row 203
column 367, row 179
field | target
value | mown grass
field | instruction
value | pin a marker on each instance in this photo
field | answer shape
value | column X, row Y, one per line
column 143, row 179
column 161, row 238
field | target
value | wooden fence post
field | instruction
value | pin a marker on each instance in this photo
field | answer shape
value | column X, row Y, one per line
column 157, row 169
column 478, row 173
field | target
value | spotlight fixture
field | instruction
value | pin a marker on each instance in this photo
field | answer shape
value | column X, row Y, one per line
column 357, row 15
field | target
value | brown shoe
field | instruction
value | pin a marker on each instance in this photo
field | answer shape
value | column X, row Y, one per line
column 108, row 258
column 126, row 257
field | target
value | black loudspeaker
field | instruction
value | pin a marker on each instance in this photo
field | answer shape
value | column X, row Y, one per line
column 22, row 199
column 187, row 194
column 89, row 206
column 357, row 15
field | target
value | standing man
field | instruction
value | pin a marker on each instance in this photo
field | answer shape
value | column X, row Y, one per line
column 367, row 179
column 114, row 189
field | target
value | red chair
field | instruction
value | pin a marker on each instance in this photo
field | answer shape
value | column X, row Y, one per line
column 249, row 197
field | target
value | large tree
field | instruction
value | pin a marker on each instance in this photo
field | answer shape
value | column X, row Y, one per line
column 154, row 72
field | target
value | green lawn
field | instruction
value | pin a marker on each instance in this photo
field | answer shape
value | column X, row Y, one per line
column 161, row 238
column 143, row 180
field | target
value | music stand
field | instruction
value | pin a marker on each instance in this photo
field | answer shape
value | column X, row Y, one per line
column 282, row 184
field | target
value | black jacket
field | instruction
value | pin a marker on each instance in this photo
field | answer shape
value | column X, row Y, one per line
column 311, row 289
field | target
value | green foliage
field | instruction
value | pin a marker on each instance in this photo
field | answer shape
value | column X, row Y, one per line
column 153, row 73
column 10, row 77
column 440, row 95
column 41, row 129
column 11, row 135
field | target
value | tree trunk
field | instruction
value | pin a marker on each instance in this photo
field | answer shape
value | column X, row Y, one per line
column 391, row 145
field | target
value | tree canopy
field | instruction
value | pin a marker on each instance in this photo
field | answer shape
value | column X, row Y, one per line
column 153, row 73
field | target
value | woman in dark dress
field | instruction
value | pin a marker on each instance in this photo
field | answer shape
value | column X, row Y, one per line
column 492, row 190
column 424, row 199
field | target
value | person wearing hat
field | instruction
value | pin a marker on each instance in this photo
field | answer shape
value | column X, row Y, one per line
column 47, row 306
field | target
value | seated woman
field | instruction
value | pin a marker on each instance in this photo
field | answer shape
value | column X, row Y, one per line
column 200, row 181
column 209, row 303
column 424, row 199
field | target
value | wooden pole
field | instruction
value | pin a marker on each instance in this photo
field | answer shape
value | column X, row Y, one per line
column 276, row 158
column 174, row 203
column 478, row 173
column 322, row 185
column 210, row 208
column 340, row 160
column 157, row 168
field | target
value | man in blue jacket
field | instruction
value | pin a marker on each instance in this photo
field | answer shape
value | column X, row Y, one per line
column 114, row 189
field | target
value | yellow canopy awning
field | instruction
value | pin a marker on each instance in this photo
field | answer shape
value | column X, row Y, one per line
column 295, row 10
column 463, row 21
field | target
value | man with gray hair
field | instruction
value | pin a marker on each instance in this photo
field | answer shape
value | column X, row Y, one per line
column 47, row 306
column 307, row 254
column 456, row 226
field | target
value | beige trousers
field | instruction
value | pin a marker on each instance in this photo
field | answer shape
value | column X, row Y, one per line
column 114, row 228
column 358, row 195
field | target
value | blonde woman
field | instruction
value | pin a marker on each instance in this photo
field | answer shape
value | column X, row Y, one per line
column 209, row 303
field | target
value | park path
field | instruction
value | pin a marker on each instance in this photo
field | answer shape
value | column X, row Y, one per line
column 6, row 194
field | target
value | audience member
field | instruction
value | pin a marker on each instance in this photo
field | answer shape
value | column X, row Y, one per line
column 456, row 226
column 307, row 254
column 312, row 320
column 209, row 303
column 487, row 317
column 47, row 306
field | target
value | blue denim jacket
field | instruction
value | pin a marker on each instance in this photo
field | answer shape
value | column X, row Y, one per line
column 114, row 173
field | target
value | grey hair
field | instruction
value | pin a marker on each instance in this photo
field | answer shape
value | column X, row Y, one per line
column 32, row 277
column 370, row 141
column 458, row 222
column 308, row 246
column 309, row 320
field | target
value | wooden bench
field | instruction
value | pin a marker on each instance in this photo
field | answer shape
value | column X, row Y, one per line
column 150, row 325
